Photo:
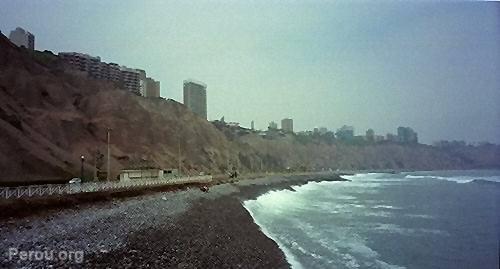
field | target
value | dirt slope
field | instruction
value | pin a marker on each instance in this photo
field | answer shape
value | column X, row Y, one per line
column 50, row 117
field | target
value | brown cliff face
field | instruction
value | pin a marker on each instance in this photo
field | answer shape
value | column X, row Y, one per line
column 49, row 118
column 288, row 152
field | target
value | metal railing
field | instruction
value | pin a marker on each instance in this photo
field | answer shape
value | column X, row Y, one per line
column 62, row 189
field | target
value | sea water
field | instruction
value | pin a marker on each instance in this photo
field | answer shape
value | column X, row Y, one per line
column 443, row 219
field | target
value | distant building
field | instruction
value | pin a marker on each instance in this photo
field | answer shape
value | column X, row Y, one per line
column 133, row 80
column 370, row 135
column 141, row 174
column 252, row 125
column 142, row 82
column 323, row 130
column 345, row 133
column 195, row 97
column 391, row 137
column 287, row 125
column 83, row 62
column 273, row 125
column 110, row 72
column 406, row 135
column 233, row 124
column 379, row 138
column 22, row 38
column 316, row 130
column 152, row 88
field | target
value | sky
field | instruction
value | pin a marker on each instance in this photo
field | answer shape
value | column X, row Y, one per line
column 433, row 66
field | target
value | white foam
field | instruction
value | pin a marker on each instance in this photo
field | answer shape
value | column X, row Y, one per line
column 346, row 248
column 350, row 261
column 383, row 214
column 360, row 176
column 457, row 179
column 359, row 247
column 291, row 259
column 392, row 228
column 423, row 216
column 386, row 207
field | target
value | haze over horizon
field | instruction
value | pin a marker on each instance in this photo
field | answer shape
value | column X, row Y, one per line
column 431, row 66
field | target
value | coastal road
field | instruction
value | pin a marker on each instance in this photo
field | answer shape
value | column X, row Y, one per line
column 183, row 229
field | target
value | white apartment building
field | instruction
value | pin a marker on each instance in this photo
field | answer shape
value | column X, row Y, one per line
column 22, row 38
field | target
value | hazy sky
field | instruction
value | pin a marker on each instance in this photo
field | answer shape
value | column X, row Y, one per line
column 432, row 66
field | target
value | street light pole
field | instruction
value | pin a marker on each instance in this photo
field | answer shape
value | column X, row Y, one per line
column 95, row 165
column 81, row 170
column 179, row 154
column 108, row 158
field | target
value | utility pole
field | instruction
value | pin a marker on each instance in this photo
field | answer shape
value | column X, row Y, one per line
column 179, row 152
column 95, row 164
column 81, row 169
column 109, row 154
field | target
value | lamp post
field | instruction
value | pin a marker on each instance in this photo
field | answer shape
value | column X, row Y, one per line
column 179, row 155
column 108, row 159
column 81, row 170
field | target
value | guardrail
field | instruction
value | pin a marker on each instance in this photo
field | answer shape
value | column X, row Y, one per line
column 62, row 189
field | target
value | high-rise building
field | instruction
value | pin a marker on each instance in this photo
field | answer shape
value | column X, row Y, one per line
column 195, row 97
column 273, row 125
column 152, row 88
column 142, row 82
column 287, row 125
column 345, row 133
column 22, row 38
column 370, row 135
column 110, row 71
column 133, row 80
column 252, row 125
column 406, row 135
column 83, row 62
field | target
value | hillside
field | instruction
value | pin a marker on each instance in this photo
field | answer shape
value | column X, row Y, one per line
column 49, row 118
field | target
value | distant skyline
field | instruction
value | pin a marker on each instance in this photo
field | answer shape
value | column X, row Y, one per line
column 431, row 66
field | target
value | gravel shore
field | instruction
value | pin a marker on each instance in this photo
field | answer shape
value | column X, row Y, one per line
column 182, row 229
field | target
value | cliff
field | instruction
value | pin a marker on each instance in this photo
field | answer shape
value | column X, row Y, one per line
column 49, row 117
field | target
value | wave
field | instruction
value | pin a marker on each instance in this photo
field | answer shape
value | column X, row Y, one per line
column 281, row 217
column 458, row 179
column 361, row 176
column 290, row 258
column 483, row 181
column 332, row 224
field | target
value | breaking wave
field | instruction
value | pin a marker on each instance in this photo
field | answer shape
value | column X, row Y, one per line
column 457, row 179
column 375, row 219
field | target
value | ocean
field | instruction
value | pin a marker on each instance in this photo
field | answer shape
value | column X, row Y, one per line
column 436, row 219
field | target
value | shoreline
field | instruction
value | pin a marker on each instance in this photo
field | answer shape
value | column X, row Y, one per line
column 225, row 224
column 182, row 229
column 37, row 206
